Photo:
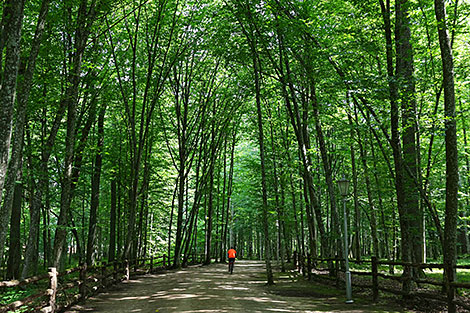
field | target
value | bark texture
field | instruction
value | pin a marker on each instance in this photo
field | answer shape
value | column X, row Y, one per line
column 12, row 31
column 452, row 169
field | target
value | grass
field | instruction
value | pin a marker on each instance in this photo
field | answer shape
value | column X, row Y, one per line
column 463, row 275
column 10, row 295
column 325, row 298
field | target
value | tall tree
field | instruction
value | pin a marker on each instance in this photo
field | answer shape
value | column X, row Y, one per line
column 452, row 167
column 407, row 100
column 85, row 20
column 11, row 35
column 95, row 192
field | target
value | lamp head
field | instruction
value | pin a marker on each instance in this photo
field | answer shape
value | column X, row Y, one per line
column 343, row 185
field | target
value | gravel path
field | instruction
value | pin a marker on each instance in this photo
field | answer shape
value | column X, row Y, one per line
column 212, row 289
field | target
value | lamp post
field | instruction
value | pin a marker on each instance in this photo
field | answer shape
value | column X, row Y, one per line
column 343, row 185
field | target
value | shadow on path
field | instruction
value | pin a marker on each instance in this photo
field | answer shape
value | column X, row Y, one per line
column 212, row 289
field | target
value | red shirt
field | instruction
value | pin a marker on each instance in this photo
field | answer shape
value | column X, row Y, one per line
column 232, row 253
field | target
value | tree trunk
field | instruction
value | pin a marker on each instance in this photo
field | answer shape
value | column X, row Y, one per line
column 84, row 16
column 23, row 98
column 144, row 200
column 280, row 238
column 229, row 196
column 95, row 190
column 357, row 212
column 412, row 237
column 299, row 238
column 208, row 241
column 267, row 241
column 452, row 170
column 112, row 223
column 12, row 31
column 373, row 218
column 327, row 168
column 301, row 130
column 222, row 248
column 14, row 253
column 285, row 250
column 385, row 228
column 395, row 134
column 467, row 201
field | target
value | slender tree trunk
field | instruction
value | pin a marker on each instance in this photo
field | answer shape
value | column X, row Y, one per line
column 452, row 170
column 294, row 211
column 112, row 223
column 14, row 253
column 467, row 201
column 12, row 31
column 267, row 241
column 85, row 15
column 229, row 195
column 208, row 241
column 182, row 154
column 46, row 235
column 144, row 200
column 373, row 218
column 385, row 228
column 95, row 190
column 170, row 224
column 119, row 222
column 327, row 168
column 200, row 185
column 357, row 212
column 280, row 237
column 23, row 98
column 223, row 249
column 179, row 221
column 30, row 256
column 285, row 251
column 302, row 134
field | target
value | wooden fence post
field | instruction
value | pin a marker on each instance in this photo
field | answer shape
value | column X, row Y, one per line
column 82, row 285
column 128, row 272
column 375, row 279
column 52, row 288
column 136, row 265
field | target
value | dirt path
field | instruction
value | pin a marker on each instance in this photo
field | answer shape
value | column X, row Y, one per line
column 212, row 289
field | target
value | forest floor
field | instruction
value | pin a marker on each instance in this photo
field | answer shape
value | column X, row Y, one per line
column 212, row 289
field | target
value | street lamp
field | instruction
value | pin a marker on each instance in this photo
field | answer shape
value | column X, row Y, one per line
column 343, row 185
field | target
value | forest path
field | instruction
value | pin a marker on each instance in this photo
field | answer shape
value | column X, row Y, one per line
column 212, row 289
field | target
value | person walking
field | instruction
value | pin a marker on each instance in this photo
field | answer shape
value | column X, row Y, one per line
column 232, row 254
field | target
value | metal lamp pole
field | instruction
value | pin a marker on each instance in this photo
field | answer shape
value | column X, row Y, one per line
column 343, row 185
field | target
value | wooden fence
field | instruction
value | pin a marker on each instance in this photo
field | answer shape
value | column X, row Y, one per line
column 60, row 290
column 334, row 268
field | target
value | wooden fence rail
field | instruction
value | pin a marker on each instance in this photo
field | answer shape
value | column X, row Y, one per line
column 334, row 269
column 78, row 283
